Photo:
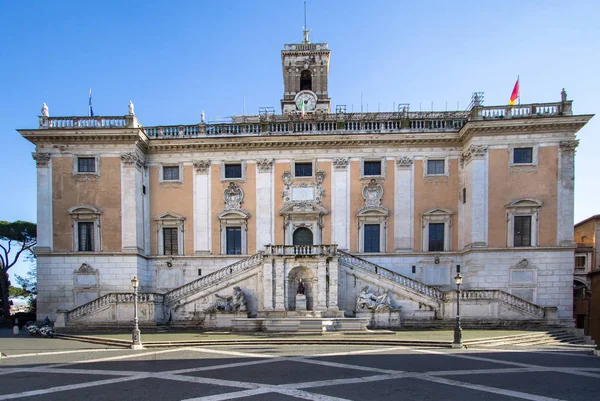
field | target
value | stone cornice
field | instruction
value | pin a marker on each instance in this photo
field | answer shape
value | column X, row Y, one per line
column 518, row 126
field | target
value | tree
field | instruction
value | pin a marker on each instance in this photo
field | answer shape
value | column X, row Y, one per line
column 18, row 237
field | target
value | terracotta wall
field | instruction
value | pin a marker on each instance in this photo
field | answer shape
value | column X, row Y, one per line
column 505, row 187
column 357, row 201
column 174, row 198
column 218, row 204
column 584, row 233
column 105, row 194
column 442, row 195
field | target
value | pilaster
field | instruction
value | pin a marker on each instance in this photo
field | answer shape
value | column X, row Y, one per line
column 321, row 285
column 202, row 210
column 268, row 284
column 566, row 191
column 333, row 284
column 475, row 158
column 44, row 202
column 340, row 224
column 404, row 205
column 279, row 284
column 264, row 203
column 132, row 218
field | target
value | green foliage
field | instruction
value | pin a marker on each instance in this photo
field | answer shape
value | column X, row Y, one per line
column 17, row 292
column 23, row 235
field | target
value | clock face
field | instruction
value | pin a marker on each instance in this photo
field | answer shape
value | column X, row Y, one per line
column 307, row 99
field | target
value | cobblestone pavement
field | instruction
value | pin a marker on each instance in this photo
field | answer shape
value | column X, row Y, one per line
column 67, row 370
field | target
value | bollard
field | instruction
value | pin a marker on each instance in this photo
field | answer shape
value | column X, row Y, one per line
column 16, row 327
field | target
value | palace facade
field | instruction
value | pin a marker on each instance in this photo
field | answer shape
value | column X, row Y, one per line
column 400, row 201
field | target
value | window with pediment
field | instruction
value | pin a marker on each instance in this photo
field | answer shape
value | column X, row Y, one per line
column 86, row 228
column 522, row 222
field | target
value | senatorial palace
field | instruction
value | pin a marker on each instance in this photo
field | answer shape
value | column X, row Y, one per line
column 313, row 219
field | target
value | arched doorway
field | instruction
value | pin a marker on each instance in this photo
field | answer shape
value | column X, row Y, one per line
column 303, row 236
column 306, row 275
column 306, row 80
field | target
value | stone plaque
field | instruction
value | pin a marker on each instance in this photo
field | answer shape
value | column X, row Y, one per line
column 89, row 280
column 300, row 194
column 436, row 275
column 169, row 278
column 522, row 276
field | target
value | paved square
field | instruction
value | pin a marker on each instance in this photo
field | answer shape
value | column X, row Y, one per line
column 305, row 372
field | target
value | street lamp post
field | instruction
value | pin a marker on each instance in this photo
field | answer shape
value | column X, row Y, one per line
column 457, row 329
column 136, row 342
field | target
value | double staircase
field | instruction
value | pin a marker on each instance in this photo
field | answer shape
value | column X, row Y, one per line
column 157, row 307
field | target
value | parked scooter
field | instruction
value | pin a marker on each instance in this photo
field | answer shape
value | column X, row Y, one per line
column 42, row 331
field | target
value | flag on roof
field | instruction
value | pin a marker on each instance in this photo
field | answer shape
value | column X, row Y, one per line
column 515, row 94
column 90, row 109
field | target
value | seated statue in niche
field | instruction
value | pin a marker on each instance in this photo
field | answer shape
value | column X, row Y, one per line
column 234, row 303
column 367, row 300
column 301, row 290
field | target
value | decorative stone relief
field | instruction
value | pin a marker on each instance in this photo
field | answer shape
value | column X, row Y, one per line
column 437, row 180
column 234, row 196
column 404, row 162
column 524, row 264
column 131, row 159
column 568, row 146
column 41, row 159
column 474, row 152
column 202, row 166
column 85, row 268
column 373, row 193
column 372, row 301
column 340, row 163
column 523, row 169
column 235, row 303
column 291, row 194
column 264, row 165
column 86, row 178
column 86, row 276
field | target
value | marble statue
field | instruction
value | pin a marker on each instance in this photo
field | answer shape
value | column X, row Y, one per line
column 202, row 116
column 367, row 300
column 300, row 290
column 234, row 303
column 131, row 108
column 563, row 95
column 45, row 110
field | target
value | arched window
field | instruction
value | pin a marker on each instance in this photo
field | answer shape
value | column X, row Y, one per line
column 306, row 80
column 303, row 236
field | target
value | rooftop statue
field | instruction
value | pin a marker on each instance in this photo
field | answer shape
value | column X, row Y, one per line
column 131, row 113
column 45, row 110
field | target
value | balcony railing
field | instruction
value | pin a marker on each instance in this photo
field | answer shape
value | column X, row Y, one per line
column 320, row 123
column 301, row 250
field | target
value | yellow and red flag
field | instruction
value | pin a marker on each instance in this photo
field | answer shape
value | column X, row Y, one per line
column 515, row 94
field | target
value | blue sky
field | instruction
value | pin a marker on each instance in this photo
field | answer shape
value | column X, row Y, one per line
column 175, row 59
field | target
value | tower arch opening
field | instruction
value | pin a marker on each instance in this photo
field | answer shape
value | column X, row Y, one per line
column 305, row 80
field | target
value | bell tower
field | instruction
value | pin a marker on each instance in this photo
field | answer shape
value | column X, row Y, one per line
column 305, row 76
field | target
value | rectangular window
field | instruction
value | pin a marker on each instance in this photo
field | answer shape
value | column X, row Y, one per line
column 170, row 245
column 233, row 170
column 522, row 155
column 579, row 261
column 86, row 164
column 303, row 169
column 372, row 168
column 464, row 195
column 371, row 240
column 435, row 167
column 85, row 232
column 522, row 231
column 234, row 240
column 436, row 237
column 170, row 173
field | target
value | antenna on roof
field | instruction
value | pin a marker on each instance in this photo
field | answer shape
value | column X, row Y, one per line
column 306, row 31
